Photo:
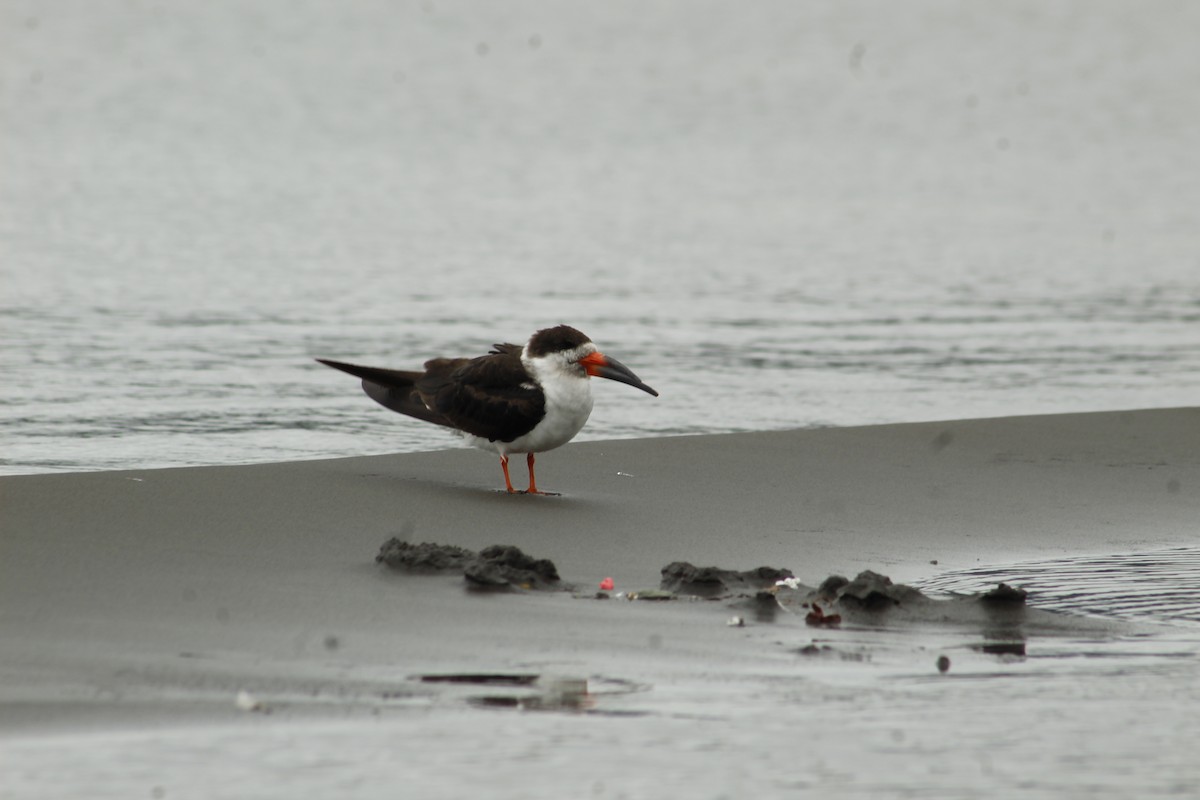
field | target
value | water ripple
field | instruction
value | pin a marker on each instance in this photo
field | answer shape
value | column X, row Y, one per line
column 1158, row 585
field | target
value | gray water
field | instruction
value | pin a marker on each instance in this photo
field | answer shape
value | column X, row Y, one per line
column 779, row 214
column 1148, row 586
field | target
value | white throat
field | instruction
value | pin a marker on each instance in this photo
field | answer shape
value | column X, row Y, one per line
column 568, row 393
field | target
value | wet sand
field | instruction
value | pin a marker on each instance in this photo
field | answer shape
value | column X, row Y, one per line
column 225, row 631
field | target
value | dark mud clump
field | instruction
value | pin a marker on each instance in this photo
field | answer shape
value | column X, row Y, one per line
column 1004, row 595
column 870, row 596
column 495, row 567
column 424, row 557
column 681, row 577
column 872, row 592
column 504, row 565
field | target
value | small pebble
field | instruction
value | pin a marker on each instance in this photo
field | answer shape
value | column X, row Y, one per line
column 247, row 702
column 943, row 664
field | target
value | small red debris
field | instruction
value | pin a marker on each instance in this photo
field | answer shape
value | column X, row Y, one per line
column 607, row 584
column 819, row 619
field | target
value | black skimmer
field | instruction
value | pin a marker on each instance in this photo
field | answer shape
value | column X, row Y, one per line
column 513, row 400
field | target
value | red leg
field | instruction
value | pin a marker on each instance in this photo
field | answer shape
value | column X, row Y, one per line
column 507, row 482
column 532, row 483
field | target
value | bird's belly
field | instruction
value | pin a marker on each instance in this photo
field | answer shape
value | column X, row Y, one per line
column 559, row 426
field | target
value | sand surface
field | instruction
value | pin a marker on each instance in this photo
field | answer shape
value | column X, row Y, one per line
column 225, row 632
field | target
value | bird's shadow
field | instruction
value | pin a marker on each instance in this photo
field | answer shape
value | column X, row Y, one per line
column 462, row 492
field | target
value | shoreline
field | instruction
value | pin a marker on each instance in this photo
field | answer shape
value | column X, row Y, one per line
column 887, row 495
column 149, row 601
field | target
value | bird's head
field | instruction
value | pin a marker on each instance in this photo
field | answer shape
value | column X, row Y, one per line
column 570, row 350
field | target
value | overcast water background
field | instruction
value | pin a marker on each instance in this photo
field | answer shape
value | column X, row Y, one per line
column 779, row 214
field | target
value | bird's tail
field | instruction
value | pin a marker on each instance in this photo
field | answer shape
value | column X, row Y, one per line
column 390, row 378
column 392, row 388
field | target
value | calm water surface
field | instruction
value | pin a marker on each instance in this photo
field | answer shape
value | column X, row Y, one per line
column 784, row 215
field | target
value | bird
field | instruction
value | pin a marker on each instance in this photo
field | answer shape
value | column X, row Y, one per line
column 516, row 399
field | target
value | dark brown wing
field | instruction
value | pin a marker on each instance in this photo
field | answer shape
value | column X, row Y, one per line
column 491, row 396
column 394, row 389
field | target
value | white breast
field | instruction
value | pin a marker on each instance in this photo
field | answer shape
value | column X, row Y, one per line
column 568, row 405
